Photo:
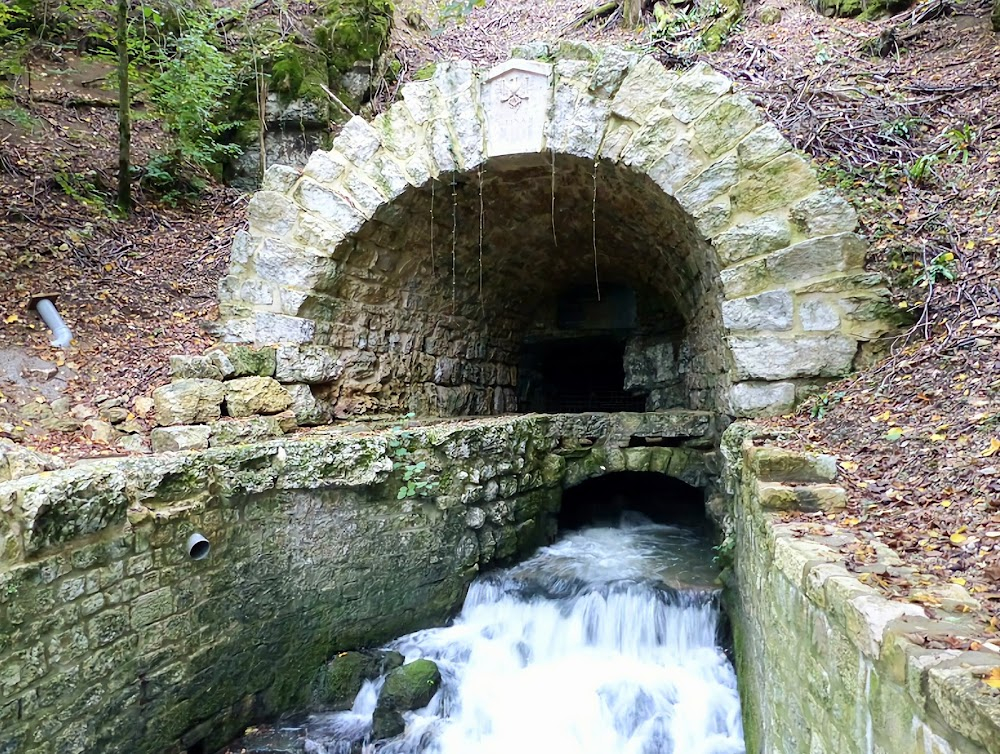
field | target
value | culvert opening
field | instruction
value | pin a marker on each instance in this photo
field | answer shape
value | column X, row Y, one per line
column 574, row 375
column 601, row 347
column 660, row 498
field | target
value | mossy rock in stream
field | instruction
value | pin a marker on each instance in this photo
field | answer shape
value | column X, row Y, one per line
column 407, row 688
column 340, row 680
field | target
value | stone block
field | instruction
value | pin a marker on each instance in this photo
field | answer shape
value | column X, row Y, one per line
column 188, row 401
column 241, row 250
column 363, row 194
column 441, row 146
column 167, row 439
column 824, row 213
column 235, row 360
column 577, row 127
column 308, row 363
column 793, row 558
column 745, row 278
column 681, row 162
column 722, row 126
column 695, row 91
column 817, row 256
column 388, row 175
column 17, row 461
column 251, row 429
column 198, row 367
column 753, row 238
column 271, row 213
column 651, row 142
column 279, row 178
column 772, row 358
column 315, row 233
column 616, row 138
column 712, row 218
column 765, row 311
column 761, row 398
column 867, row 617
column 643, row 90
column 611, row 70
column 257, row 292
column 773, row 464
column 285, row 264
column 397, row 132
column 246, row 396
column 717, row 178
column 809, row 498
column 818, row 315
column 418, row 98
column 323, row 167
column 272, row 328
column 775, row 184
column 761, row 146
column 357, row 141
column 333, row 206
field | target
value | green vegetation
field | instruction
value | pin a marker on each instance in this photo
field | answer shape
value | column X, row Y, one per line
column 201, row 71
column 416, row 482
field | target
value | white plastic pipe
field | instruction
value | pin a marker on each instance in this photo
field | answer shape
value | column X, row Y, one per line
column 47, row 311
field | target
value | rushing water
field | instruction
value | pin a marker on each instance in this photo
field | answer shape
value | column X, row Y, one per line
column 605, row 642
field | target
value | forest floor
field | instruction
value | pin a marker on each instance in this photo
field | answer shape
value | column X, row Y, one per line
column 910, row 132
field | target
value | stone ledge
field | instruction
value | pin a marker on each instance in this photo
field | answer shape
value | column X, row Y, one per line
column 868, row 648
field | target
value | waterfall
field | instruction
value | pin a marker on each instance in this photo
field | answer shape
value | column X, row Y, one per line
column 605, row 642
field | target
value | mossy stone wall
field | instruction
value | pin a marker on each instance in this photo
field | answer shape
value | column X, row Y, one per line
column 827, row 664
column 112, row 639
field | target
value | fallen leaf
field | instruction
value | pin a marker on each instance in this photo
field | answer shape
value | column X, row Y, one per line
column 993, row 679
column 993, row 448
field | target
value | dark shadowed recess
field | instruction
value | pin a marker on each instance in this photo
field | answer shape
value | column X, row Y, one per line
column 662, row 498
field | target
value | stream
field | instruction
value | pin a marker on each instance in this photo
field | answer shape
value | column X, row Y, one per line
column 606, row 642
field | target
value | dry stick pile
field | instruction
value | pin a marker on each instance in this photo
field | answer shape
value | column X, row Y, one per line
column 863, row 117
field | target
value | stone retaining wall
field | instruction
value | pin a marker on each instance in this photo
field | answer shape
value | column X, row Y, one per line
column 113, row 639
column 826, row 664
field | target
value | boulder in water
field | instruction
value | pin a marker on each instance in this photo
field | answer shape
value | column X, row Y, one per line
column 409, row 687
column 340, row 680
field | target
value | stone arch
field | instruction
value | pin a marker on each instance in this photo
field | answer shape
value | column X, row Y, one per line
column 404, row 268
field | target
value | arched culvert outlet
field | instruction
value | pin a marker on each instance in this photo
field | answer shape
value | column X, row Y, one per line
column 661, row 498
column 414, row 265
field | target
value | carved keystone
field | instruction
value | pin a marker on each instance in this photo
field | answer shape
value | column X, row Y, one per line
column 515, row 98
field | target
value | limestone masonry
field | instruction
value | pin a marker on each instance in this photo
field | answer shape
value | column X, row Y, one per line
column 405, row 268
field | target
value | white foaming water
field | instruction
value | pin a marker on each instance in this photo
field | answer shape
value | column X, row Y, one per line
column 581, row 649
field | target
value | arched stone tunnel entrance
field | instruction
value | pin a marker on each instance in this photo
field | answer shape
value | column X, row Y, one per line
column 600, row 233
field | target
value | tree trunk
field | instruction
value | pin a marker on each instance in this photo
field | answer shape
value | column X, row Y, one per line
column 996, row 15
column 632, row 10
column 124, row 126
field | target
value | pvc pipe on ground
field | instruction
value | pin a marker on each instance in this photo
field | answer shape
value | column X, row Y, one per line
column 49, row 314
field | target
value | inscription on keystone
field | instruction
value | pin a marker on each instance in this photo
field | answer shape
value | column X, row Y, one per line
column 515, row 101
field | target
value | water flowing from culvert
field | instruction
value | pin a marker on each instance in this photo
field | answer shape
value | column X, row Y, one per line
column 605, row 642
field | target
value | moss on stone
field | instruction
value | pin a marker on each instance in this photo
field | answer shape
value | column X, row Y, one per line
column 715, row 35
column 353, row 30
column 425, row 72
column 865, row 10
column 287, row 75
